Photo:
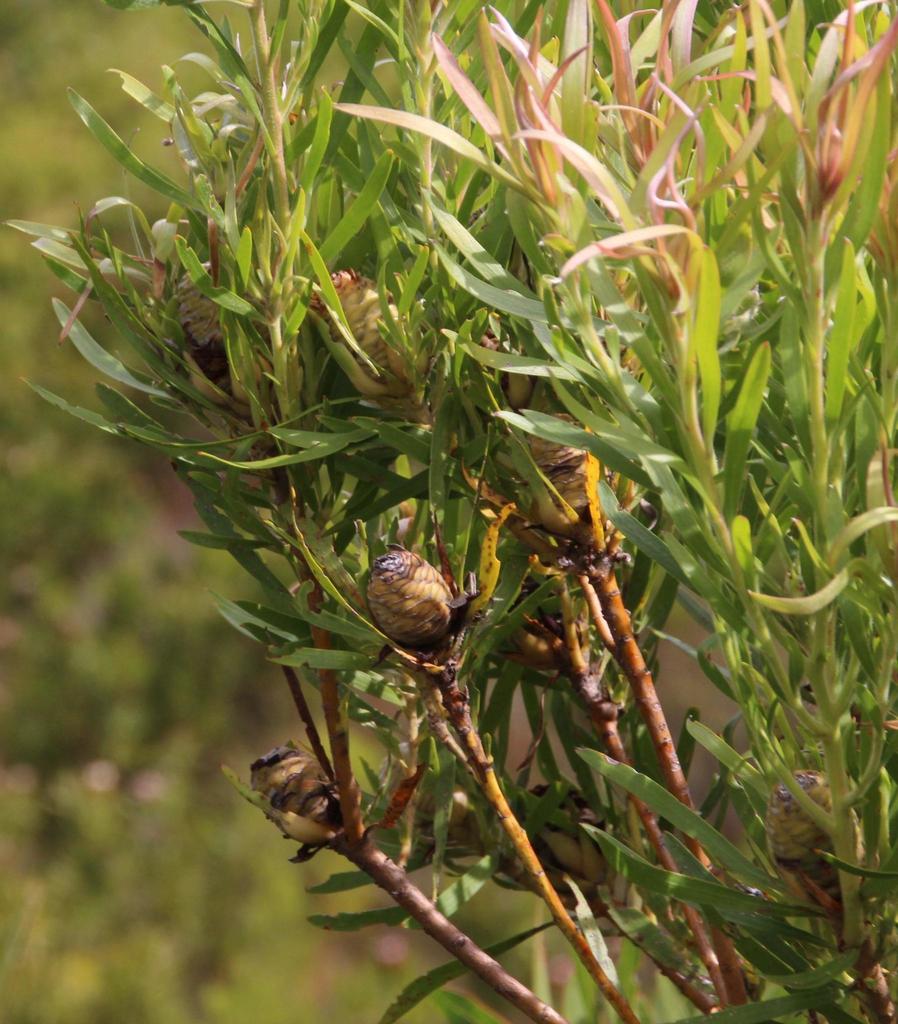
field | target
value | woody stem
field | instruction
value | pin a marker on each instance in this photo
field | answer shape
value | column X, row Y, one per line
column 395, row 882
column 456, row 704
column 606, row 603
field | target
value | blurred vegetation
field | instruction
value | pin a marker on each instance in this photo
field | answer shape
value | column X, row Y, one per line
column 136, row 886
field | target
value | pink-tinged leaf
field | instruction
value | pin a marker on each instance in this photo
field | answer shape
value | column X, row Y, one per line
column 592, row 171
column 500, row 87
column 576, row 69
column 76, row 311
column 682, row 33
column 623, row 246
column 620, row 55
column 505, row 36
column 874, row 59
column 465, row 90
column 552, row 84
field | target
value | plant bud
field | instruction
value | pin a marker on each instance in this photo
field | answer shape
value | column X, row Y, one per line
column 794, row 837
column 409, row 600
column 536, row 650
column 303, row 800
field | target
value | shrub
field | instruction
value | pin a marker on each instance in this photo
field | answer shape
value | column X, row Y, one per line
column 583, row 314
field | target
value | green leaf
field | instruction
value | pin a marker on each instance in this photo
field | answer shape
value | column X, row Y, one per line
column 591, row 931
column 576, row 80
column 355, row 217
column 806, row 605
column 483, row 262
column 149, row 176
column 705, row 335
column 857, row 527
column 98, row 357
column 667, row 806
column 768, row 1009
column 353, row 922
column 466, row 887
column 93, row 418
column 314, row 657
column 843, row 336
column 511, row 362
column 244, row 255
column 201, row 278
column 729, row 757
column 640, row 536
column 145, row 97
column 459, row 1009
column 342, row 881
column 741, row 424
column 314, row 156
column 424, row 986
column 690, row 890
column 646, row 935
column 506, row 300
column 434, row 130
column 249, row 795
column 859, row 871
column 818, row 975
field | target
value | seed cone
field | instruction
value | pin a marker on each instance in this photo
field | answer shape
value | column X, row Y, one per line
column 198, row 315
column 409, row 599
column 303, row 801
column 573, row 852
column 463, row 836
column 565, row 468
column 392, row 384
column 206, row 357
column 361, row 304
column 794, row 837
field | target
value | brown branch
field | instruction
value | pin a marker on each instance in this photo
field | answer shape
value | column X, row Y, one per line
column 305, row 714
column 394, row 881
column 251, row 163
column 602, row 590
column 874, row 987
column 347, row 786
column 603, row 713
column 456, row 704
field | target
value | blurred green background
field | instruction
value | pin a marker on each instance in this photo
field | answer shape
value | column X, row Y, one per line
column 137, row 886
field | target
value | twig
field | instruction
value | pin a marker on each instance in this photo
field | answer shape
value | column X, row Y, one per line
column 251, row 163
column 874, row 987
column 602, row 591
column 456, row 704
column 305, row 714
column 603, row 713
column 394, row 881
column 347, row 786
